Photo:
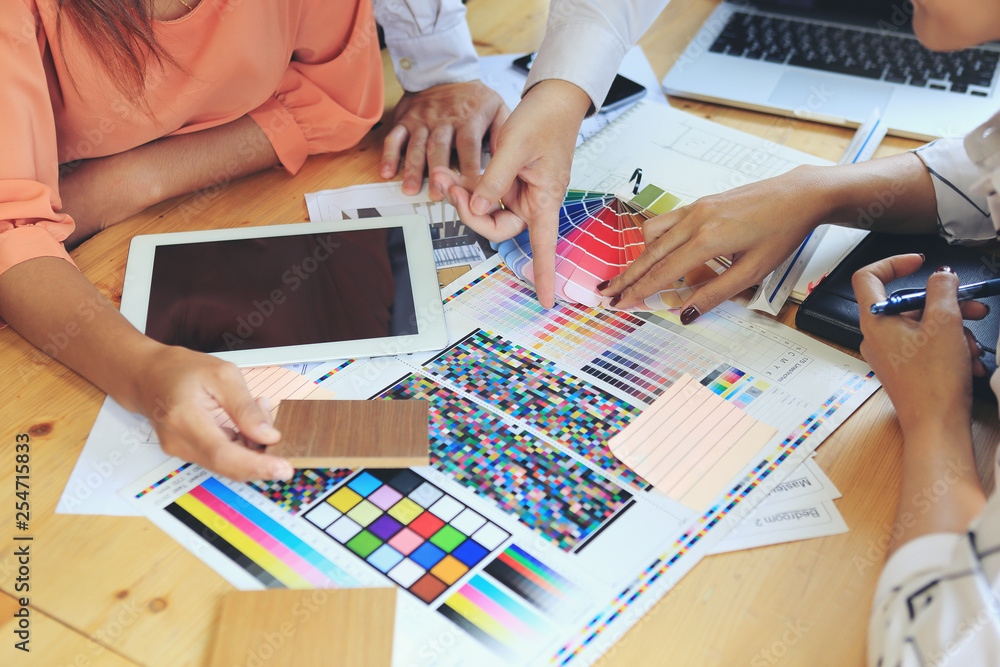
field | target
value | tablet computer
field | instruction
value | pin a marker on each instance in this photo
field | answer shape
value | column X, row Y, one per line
column 289, row 293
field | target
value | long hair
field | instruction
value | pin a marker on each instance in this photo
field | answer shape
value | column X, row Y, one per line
column 120, row 33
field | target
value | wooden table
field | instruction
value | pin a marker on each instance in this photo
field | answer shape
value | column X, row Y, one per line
column 117, row 591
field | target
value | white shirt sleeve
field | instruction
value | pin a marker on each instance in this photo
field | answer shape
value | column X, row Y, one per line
column 963, row 212
column 428, row 41
column 936, row 601
column 586, row 40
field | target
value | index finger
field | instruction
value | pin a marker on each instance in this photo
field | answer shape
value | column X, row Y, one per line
column 542, row 233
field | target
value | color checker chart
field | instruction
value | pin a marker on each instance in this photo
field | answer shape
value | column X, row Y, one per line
column 408, row 529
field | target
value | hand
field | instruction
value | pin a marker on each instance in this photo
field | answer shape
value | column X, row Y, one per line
column 757, row 226
column 925, row 360
column 529, row 173
column 432, row 121
column 180, row 390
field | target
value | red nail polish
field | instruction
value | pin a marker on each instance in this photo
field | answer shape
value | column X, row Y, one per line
column 689, row 315
column 615, row 301
column 923, row 257
column 943, row 269
column 603, row 285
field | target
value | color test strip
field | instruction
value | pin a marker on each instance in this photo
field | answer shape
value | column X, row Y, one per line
column 494, row 613
column 690, row 443
column 260, row 538
column 527, row 576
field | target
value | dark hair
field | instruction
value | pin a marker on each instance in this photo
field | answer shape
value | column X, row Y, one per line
column 121, row 34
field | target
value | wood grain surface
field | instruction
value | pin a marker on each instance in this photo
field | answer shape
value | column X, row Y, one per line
column 353, row 434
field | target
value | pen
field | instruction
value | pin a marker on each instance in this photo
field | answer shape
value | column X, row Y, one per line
column 906, row 300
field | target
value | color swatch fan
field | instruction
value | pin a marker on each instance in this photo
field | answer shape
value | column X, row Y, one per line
column 600, row 234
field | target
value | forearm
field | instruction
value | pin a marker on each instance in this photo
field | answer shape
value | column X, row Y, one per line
column 177, row 165
column 58, row 310
column 940, row 490
column 893, row 194
column 104, row 191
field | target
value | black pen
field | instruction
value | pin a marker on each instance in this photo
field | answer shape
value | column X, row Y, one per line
column 907, row 300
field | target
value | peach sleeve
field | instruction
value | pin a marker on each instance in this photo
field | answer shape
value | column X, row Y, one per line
column 331, row 93
column 30, row 222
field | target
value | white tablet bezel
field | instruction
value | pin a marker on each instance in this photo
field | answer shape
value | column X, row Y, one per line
column 432, row 334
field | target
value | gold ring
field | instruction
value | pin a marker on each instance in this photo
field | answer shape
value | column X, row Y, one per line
column 500, row 201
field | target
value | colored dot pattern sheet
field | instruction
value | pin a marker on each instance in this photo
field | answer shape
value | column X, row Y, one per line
column 560, row 499
column 532, row 389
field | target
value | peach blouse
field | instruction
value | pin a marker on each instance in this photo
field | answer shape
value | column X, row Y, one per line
column 308, row 72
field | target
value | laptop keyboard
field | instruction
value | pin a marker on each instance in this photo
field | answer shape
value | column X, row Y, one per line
column 864, row 53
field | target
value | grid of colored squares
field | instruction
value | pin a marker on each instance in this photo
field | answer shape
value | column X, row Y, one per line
column 688, row 540
column 734, row 385
column 408, row 529
column 533, row 390
column 303, row 488
column 555, row 496
column 533, row 580
column 255, row 542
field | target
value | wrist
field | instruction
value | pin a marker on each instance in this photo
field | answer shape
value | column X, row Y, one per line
column 561, row 97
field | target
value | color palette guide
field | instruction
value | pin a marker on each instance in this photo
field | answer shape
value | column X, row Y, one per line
column 599, row 235
column 408, row 529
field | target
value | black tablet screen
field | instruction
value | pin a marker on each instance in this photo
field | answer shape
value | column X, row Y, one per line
column 246, row 294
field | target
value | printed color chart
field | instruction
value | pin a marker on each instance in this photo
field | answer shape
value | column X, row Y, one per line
column 616, row 347
column 560, row 499
column 533, row 390
column 408, row 529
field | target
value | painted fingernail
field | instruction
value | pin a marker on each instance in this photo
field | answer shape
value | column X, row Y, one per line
column 615, row 301
column 923, row 257
column 689, row 315
column 479, row 205
column 603, row 285
column 943, row 269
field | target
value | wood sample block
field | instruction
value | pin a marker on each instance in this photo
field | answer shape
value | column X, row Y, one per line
column 295, row 628
column 353, row 434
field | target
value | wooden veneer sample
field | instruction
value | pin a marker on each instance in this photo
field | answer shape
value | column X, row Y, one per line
column 297, row 628
column 353, row 434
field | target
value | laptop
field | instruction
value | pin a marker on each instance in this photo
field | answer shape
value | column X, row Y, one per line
column 835, row 61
